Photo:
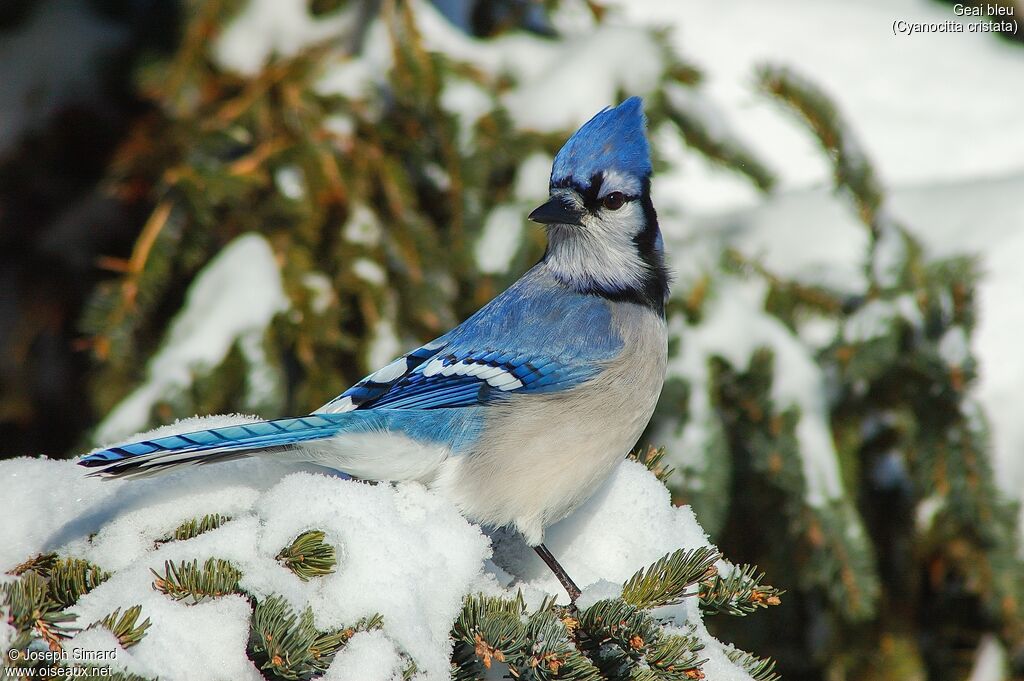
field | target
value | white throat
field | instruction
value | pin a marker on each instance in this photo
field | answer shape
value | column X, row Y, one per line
column 602, row 253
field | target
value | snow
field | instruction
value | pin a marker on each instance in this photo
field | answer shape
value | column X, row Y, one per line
column 936, row 118
column 384, row 344
column 321, row 291
column 232, row 300
column 469, row 102
column 532, row 178
column 791, row 234
column 362, row 226
column 291, row 182
column 617, row 59
column 369, row 656
column 267, row 28
column 953, row 346
column 403, row 551
column 369, row 271
column 927, row 108
column 989, row 661
column 734, row 325
column 890, row 254
column 872, row 320
column 500, row 238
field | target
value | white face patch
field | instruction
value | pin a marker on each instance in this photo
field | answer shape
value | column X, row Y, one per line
column 602, row 252
column 617, row 182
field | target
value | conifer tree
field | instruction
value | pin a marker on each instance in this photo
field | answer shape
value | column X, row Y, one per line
column 376, row 203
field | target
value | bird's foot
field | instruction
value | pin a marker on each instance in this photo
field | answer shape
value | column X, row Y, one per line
column 563, row 577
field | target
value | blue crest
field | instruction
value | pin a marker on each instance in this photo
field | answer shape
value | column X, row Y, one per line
column 612, row 140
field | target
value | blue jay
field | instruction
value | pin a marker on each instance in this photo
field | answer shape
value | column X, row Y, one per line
column 519, row 413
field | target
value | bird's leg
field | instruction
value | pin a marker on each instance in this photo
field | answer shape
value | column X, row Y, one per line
column 563, row 576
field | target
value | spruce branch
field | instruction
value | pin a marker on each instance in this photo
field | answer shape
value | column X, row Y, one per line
column 41, row 563
column 702, row 129
column 614, row 621
column 126, row 627
column 72, row 577
column 32, row 611
column 187, row 580
column 195, row 527
column 290, row 646
column 673, row 658
column 309, row 556
column 489, row 629
column 665, row 582
column 626, row 642
column 552, row 653
column 741, row 593
column 891, row 245
column 654, row 459
column 759, row 668
column 851, row 169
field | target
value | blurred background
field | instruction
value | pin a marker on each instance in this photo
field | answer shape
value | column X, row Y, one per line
column 245, row 205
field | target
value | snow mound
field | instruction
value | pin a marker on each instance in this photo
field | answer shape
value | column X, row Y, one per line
column 403, row 552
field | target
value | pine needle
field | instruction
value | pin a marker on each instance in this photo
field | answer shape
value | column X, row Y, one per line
column 72, row 577
column 290, row 646
column 492, row 628
column 195, row 527
column 41, row 563
column 187, row 580
column 665, row 582
column 125, row 627
column 309, row 556
column 741, row 593
column 654, row 459
column 32, row 611
column 760, row 668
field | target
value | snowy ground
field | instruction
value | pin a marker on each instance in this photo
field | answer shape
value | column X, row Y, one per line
column 403, row 552
column 937, row 114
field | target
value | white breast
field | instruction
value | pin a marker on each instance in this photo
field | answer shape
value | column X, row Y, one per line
column 543, row 455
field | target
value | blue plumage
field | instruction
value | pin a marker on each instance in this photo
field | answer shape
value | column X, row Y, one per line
column 611, row 141
column 518, row 413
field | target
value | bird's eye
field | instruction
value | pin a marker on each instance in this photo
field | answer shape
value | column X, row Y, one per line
column 613, row 201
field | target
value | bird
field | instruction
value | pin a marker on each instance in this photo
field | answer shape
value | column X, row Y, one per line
column 519, row 413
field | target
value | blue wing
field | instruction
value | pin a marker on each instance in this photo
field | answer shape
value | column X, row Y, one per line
column 535, row 337
column 528, row 340
column 432, row 377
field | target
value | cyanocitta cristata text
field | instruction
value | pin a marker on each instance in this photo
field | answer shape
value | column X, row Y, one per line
column 521, row 411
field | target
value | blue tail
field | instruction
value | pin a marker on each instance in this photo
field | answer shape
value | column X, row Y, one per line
column 148, row 457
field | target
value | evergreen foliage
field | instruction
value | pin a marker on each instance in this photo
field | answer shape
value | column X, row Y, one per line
column 72, row 577
column 309, row 555
column 665, row 582
column 759, row 668
column 613, row 639
column 186, row 580
column 33, row 612
column 289, row 646
column 196, row 526
column 654, row 459
column 917, row 550
column 126, row 627
column 739, row 593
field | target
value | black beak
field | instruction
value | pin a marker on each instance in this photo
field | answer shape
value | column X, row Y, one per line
column 557, row 212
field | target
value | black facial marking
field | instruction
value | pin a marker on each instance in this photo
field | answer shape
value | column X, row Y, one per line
column 652, row 291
